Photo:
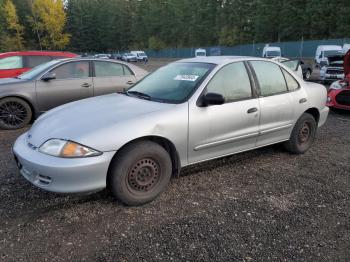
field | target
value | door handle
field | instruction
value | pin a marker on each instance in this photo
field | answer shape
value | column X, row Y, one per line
column 86, row 85
column 303, row 100
column 130, row 82
column 252, row 110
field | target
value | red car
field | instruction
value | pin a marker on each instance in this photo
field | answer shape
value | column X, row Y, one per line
column 339, row 91
column 13, row 64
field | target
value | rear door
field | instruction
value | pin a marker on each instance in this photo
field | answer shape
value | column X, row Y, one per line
column 11, row 66
column 277, row 104
column 111, row 77
column 219, row 130
column 73, row 82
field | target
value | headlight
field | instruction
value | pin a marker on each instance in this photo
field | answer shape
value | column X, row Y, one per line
column 67, row 149
column 336, row 85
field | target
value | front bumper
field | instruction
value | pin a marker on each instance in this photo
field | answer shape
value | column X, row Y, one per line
column 62, row 175
column 332, row 99
column 331, row 77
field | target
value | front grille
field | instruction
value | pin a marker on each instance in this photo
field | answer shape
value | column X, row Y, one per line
column 44, row 180
column 335, row 71
column 343, row 98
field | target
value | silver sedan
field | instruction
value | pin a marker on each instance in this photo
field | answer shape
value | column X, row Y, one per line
column 24, row 98
column 187, row 112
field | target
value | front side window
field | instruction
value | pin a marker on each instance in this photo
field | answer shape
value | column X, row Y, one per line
column 11, row 62
column 33, row 61
column 103, row 69
column 270, row 78
column 72, row 70
column 232, row 82
column 173, row 83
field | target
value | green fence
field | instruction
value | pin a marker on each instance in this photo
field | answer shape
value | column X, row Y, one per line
column 289, row 49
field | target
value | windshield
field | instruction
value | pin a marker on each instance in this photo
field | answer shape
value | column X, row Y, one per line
column 37, row 70
column 273, row 53
column 337, row 63
column 200, row 54
column 173, row 83
column 142, row 54
column 332, row 52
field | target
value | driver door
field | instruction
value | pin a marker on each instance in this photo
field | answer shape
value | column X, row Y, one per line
column 219, row 130
column 73, row 82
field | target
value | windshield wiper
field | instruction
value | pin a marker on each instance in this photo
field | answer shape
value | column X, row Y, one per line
column 139, row 94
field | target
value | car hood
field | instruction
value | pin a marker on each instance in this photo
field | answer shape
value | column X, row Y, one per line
column 5, row 81
column 347, row 63
column 78, row 120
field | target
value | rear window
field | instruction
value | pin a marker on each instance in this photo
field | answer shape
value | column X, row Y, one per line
column 11, row 62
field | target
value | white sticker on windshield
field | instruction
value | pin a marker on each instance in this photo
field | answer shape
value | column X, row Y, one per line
column 191, row 78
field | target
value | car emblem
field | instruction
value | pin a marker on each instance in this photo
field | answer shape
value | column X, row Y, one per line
column 29, row 136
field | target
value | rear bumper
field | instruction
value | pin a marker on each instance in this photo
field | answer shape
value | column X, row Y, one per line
column 323, row 116
column 61, row 175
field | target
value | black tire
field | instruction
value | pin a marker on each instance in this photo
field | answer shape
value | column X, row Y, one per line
column 139, row 173
column 303, row 135
column 15, row 113
column 308, row 74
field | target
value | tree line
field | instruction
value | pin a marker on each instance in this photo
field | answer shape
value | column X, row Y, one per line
column 105, row 25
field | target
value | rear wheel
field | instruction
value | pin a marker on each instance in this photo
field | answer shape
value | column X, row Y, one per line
column 140, row 172
column 303, row 135
column 14, row 113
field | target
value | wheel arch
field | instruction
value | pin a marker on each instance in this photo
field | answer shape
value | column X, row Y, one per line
column 27, row 100
column 314, row 112
column 163, row 142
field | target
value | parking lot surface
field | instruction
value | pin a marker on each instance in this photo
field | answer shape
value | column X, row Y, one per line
column 262, row 205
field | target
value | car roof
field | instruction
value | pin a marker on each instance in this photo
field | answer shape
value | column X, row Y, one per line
column 219, row 59
column 271, row 48
column 38, row 53
column 330, row 47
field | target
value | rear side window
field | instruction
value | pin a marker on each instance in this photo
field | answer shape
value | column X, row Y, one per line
column 127, row 71
column 103, row 69
column 291, row 82
column 33, row 61
column 11, row 62
column 72, row 70
column 270, row 78
column 232, row 82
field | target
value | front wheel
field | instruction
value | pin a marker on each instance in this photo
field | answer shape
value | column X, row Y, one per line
column 308, row 74
column 140, row 172
column 15, row 113
column 303, row 135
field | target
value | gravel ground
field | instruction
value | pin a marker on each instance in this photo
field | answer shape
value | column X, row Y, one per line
column 263, row 205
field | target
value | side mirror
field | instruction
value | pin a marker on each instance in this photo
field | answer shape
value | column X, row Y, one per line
column 49, row 76
column 212, row 99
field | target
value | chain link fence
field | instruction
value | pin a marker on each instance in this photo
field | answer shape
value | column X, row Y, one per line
column 306, row 49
